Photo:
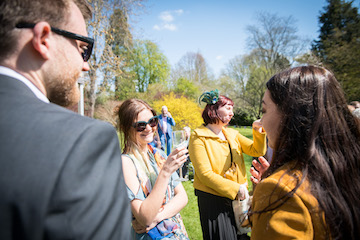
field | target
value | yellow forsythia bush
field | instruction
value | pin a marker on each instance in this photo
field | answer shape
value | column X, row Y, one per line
column 184, row 111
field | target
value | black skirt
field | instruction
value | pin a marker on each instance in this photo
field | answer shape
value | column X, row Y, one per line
column 217, row 217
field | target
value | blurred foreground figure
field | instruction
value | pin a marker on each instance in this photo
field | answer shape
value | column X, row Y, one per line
column 61, row 173
column 311, row 188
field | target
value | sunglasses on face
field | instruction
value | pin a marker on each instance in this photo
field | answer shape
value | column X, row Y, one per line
column 141, row 125
column 86, row 50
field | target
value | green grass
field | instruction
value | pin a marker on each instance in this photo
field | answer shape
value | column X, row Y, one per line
column 247, row 132
column 190, row 213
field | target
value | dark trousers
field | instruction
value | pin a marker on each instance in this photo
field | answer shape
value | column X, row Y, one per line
column 217, row 217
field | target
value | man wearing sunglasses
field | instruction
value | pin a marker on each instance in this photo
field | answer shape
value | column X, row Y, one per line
column 61, row 173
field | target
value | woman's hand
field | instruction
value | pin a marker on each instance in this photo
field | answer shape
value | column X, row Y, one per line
column 257, row 126
column 138, row 227
column 142, row 229
column 158, row 218
column 242, row 192
column 258, row 169
column 175, row 159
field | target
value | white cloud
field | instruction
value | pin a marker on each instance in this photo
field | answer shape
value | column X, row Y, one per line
column 168, row 20
column 219, row 57
column 157, row 27
column 166, row 16
column 171, row 27
column 179, row 12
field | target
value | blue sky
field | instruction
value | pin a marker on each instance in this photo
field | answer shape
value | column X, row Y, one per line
column 217, row 29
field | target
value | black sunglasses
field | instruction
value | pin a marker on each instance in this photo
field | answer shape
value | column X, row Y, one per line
column 86, row 51
column 141, row 125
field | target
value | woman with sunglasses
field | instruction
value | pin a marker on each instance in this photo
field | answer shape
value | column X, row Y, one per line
column 156, row 197
column 220, row 175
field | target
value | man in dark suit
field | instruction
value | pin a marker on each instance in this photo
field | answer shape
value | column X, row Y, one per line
column 61, row 173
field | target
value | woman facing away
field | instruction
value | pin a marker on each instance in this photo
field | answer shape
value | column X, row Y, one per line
column 156, row 197
column 213, row 150
column 311, row 188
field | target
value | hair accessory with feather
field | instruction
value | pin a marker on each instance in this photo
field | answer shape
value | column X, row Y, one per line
column 209, row 97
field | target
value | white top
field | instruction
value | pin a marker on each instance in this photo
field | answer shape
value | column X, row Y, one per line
column 11, row 73
column 164, row 119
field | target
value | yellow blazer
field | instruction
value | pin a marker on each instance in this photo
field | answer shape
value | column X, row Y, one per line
column 211, row 158
column 298, row 218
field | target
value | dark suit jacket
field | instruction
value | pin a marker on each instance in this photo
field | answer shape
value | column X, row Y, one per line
column 60, row 173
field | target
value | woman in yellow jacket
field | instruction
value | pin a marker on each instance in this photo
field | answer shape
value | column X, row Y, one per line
column 212, row 149
column 311, row 188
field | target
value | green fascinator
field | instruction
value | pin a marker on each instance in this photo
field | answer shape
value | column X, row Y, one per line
column 209, row 97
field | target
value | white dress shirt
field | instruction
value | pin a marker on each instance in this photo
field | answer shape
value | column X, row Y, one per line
column 164, row 119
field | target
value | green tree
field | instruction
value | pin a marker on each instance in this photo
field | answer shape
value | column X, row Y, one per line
column 120, row 39
column 187, row 88
column 193, row 67
column 104, row 63
column 308, row 58
column 154, row 92
column 338, row 46
column 249, row 74
column 242, row 118
column 233, row 78
column 147, row 64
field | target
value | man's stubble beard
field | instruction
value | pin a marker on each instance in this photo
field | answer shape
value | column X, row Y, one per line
column 62, row 79
column 63, row 88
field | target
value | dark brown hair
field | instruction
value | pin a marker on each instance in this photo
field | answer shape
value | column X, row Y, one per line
column 320, row 134
column 33, row 11
column 127, row 114
column 210, row 115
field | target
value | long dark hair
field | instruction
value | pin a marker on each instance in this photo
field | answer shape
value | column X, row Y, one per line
column 320, row 134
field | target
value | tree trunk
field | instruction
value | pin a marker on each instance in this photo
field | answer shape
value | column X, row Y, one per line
column 92, row 92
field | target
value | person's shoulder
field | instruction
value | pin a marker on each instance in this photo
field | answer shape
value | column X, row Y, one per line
column 231, row 131
column 284, row 178
column 201, row 131
column 284, row 181
column 64, row 120
column 127, row 159
column 61, row 113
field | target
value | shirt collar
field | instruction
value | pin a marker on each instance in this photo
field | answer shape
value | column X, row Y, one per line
column 203, row 131
column 11, row 73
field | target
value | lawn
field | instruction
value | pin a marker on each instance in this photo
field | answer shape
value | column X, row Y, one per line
column 190, row 213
